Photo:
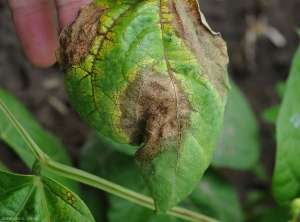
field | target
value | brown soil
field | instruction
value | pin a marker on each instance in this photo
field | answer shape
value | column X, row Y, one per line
column 38, row 88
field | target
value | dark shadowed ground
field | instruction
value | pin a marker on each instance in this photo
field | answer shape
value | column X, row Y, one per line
column 42, row 92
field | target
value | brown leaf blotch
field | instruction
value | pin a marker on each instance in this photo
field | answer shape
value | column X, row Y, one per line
column 77, row 38
column 154, row 109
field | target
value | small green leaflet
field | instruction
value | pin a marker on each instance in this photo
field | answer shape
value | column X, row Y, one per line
column 39, row 198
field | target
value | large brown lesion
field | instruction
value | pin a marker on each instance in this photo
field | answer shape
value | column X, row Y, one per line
column 208, row 46
column 76, row 39
column 151, row 113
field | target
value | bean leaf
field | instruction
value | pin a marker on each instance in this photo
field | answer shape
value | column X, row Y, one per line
column 3, row 167
column 39, row 198
column 239, row 146
column 152, row 72
column 216, row 197
column 286, row 179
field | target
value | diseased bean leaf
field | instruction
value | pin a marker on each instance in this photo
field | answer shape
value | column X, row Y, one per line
column 152, row 72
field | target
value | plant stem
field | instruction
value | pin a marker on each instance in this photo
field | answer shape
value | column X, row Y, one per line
column 38, row 153
column 100, row 183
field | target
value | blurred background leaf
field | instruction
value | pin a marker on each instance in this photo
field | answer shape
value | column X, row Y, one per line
column 286, row 178
column 124, row 148
column 239, row 145
column 216, row 197
column 276, row 214
column 3, row 167
column 270, row 115
column 280, row 88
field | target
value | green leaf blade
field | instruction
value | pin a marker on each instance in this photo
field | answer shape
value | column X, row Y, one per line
column 3, row 167
column 270, row 115
column 239, row 145
column 40, row 198
column 158, row 76
column 216, row 197
column 286, row 178
column 168, row 186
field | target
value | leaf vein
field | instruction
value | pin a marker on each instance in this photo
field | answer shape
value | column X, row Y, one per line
column 100, row 47
column 25, row 201
column 175, row 91
column 14, row 188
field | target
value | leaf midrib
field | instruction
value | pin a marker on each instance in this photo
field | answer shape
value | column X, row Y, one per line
column 41, row 185
column 176, row 96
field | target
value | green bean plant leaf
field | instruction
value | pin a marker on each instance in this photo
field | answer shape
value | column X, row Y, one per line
column 152, row 72
column 38, row 198
column 3, row 167
column 286, row 178
column 216, row 197
column 270, row 115
column 280, row 88
column 124, row 148
column 48, row 143
column 238, row 146
column 275, row 214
